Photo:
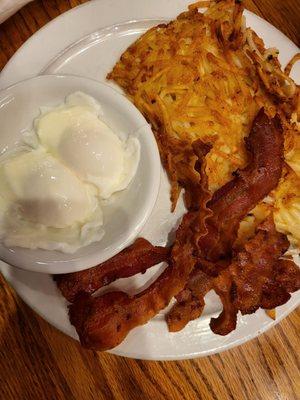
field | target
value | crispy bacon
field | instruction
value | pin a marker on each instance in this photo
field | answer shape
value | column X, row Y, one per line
column 257, row 278
column 103, row 322
column 190, row 301
column 136, row 258
column 231, row 203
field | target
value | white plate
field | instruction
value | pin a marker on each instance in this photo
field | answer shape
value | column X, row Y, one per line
column 87, row 41
column 127, row 211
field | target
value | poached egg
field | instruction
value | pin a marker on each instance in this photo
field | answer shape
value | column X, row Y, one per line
column 51, row 193
column 75, row 135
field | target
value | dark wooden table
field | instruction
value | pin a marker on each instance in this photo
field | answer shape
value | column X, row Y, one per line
column 38, row 362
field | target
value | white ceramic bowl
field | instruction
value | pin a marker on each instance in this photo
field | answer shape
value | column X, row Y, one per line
column 19, row 105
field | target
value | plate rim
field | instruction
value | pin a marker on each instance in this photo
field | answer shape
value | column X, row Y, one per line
column 5, row 72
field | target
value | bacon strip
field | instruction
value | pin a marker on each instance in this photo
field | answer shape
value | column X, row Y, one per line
column 136, row 258
column 256, row 278
column 103, row 322
column 231, row 203
column 190, row 301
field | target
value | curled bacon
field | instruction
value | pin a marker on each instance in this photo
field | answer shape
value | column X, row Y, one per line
column 103, row 322
column 190, row 301
column 257, row 278
column 136, row 258
column 231, row 203
column 229, row 206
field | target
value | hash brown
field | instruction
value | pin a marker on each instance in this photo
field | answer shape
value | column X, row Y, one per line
column 205, row 76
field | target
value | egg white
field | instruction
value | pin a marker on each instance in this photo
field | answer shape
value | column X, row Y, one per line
column 75, row 135
column 44, row 205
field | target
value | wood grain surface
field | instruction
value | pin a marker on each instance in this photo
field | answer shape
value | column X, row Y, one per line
column 38, row 362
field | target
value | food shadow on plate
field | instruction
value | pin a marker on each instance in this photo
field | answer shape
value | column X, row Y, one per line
column 36, row 288
column 134, row 284
column 34, row 281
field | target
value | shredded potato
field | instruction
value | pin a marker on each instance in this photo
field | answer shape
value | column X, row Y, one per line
column 287, row 207
column 288, row 68
column 292, row 148
column 249, row 224
column 205, row 75
column 271, row 313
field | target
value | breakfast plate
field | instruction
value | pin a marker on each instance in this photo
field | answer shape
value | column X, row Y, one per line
column 87, row 41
